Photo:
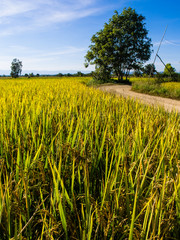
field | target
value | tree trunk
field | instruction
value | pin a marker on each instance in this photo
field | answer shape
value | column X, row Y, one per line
column 120, row 76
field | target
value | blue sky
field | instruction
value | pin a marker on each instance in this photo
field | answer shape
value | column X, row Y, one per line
column 52, row 36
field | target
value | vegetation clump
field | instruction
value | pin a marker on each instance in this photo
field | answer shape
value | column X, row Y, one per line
column 157, row 83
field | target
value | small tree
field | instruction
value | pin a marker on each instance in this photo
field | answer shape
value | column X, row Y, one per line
column 149, row 70
column 169, row 70
column 79, row 74
column 31, row 75
column 16, row 68
column 60, row 75
column 137, row 73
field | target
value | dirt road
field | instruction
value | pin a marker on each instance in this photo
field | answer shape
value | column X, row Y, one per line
column 124, row 90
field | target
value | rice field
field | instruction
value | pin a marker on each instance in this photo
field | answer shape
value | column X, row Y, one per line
column 77, row 163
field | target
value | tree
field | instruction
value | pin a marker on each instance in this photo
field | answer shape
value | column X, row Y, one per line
column 149, row 69
column 60, row 75
column 79, row 74
column 102, row 74
column 16, row 68
column 121, row 45
column 169, row 70
column 137, row 73
column 31, row 75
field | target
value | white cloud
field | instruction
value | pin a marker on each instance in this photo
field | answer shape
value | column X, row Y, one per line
column 66, row 51
column 13, row 8
column 174, row 43
column 15, row 30
column 18, row 16
column 54, row 60
column 84, row 2
column 167, row 42
column 58, row 16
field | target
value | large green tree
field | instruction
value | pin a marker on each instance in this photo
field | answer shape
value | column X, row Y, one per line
column 16, row 68
column 121, row 45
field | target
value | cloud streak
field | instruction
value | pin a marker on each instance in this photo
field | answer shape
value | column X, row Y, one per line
column 31, row 52
column 167, row 42
column 11, row 8
column 33, row 58
column 41, row 13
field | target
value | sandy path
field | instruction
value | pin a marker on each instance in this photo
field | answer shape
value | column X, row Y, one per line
column 124, row 90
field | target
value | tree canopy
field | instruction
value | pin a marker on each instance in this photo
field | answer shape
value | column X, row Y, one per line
column 169, row 70
column 16, row 68
column 149, row 69
column 121, row 45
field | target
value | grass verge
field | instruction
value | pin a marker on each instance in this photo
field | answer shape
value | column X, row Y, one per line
column 168, row 89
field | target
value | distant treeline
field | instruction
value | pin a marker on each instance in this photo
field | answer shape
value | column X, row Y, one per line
column 78, row 74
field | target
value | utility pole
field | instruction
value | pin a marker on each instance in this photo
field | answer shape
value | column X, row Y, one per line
column 158, row 50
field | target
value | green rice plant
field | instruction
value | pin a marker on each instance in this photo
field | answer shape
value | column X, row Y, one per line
column 77, row 163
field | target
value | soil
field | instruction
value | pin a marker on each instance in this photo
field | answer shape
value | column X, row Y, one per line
column 125, row 91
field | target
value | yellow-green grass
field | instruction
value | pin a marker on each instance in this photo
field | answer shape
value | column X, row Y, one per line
column 137, row 79
column 77, row 163
column 171, row 85
column 166, row 89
